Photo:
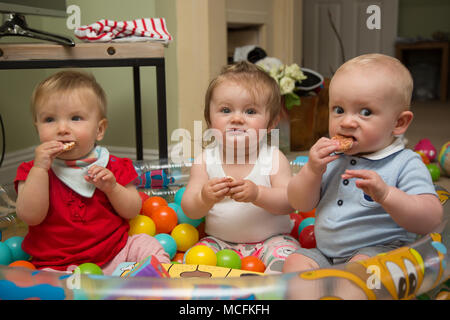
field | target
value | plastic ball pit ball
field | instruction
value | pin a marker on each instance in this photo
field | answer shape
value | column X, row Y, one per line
column 142, row 224
column 201, row 255
column 89, row 268
column 178, row 258
column 307, row 238
column 308, row 214
column 23, row 264
column 427, row 148
column 434, row 171
column 185, row 235
column 306, row 222
column 182, row 218
column 144, row 197
column 228, row 258
column 424, row 157
column 165, row 219
column 297, row 219
column 168, row 243
column 15, row 246
column 5, row 254
column 151, row 204
column 252, row 263
column 444, row 159
column 179, row 195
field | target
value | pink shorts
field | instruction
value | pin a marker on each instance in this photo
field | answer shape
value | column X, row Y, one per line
column 272, row 251
column 138, row 247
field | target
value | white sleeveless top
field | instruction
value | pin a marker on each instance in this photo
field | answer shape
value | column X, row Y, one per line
column 243, row 222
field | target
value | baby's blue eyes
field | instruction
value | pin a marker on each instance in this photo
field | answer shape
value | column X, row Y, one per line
column 248, row 111
column 51, row 119
column 338, row 110
column 364, row 112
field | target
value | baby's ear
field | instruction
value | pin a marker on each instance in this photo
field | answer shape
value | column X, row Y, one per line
column 273, row 124
column 403, row 122
column 101, row 129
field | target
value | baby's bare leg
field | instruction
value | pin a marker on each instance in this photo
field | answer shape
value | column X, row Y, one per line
column 302, row 289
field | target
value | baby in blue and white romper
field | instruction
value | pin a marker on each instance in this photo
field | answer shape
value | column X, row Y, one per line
column 377, row 195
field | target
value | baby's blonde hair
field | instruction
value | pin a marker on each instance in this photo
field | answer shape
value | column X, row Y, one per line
column 256, row 81
column 400, row 78
column 65, row 81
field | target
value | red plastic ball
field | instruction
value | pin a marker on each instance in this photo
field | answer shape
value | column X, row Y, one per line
column 252, row 263
column 165, row 219
column 307, row 238
column 151, row 204
column 144, row 197
column 297, row 218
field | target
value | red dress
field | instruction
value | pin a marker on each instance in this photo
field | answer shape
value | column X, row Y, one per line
column 77, row 229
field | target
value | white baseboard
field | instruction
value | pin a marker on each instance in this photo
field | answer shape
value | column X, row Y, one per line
column 13, row 159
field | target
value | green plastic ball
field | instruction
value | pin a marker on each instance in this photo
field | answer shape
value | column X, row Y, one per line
column 90, row 268
column 434, row 171
column 228, row 258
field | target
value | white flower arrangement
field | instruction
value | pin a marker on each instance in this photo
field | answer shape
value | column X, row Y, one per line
column 286, row 76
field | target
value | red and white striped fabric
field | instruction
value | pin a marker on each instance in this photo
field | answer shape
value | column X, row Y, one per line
column 136, row 30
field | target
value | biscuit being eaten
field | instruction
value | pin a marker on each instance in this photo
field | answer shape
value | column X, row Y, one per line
column 230, row 178
column 68, row 146
column 345, row 143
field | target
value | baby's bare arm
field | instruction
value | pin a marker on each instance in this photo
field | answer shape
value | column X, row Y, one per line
column 420, row 213
column 33, row 193
column 275, row 199
column 201, row 192
column 304, row 187
column 33, row 197
column 125, row 200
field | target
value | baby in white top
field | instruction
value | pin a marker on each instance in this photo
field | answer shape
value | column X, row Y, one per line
column 239, row 185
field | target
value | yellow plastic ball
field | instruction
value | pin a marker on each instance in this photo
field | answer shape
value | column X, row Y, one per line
column 142, row 224
column 185, row 235
column 201, row 255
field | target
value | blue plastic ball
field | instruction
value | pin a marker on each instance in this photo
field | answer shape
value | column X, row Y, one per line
column 179, row 195
column 5, row 254
column 15, row 245
column 168, row 243
column 306, row 222
column 182, row 218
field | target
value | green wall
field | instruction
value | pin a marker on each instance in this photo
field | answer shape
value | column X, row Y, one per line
column 16, row 86
column 423, row 17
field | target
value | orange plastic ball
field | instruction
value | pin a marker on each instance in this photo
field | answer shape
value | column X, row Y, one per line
column 165, row 219
column 151, row 204
column 309, row 214
column 22, row 263
column 178, row 257
column 424, row 157
column 252, row 263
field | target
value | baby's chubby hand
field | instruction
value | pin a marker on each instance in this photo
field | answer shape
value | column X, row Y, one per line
column 101, row 178
column 46, row 152
column 370, row 182
column 320, row 155
column 243, row 191
column 215, row 190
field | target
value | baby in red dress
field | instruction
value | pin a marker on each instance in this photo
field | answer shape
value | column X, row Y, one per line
column 75, row 197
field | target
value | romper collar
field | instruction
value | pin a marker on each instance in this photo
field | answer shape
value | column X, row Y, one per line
column 394, row 147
